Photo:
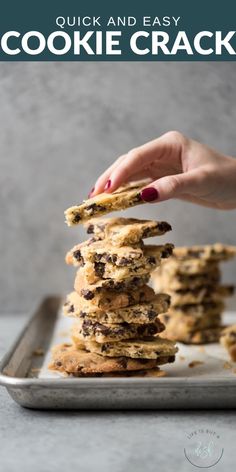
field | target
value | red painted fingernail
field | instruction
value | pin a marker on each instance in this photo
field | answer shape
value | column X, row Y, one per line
column 108, row 184
column 90, row 193
column 149, row 194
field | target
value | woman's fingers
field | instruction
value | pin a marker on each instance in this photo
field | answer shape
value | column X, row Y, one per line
column 104, row 178
column 140, row 159
column 174, row 186
column 136, row 161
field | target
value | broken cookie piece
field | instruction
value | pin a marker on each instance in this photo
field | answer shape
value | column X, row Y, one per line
column 228, row 341
column 211, row 293
column 125, row 231
column 152, row 348
column 70, row 360
column 124, row 197
column 92, row 330
column 211, row 252
column 146, row 311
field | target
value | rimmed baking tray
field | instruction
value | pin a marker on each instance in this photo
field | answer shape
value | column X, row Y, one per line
column 23, row 371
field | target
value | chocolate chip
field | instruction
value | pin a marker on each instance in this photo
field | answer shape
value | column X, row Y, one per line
column 87, row 294
column 151, row 260
column 76, row 218
column 163, row 226
column 147, row 232
column 93, row 208
column 166, row 252
column 77, row 255
column 82, row 314
column 58, row 363
column 152, row 330
column 98, row 257
column 99, row 269
column 151, row 314
column 71, row 309
column 124, row 261
column 90, row 229
column 111, row 258
column 86, row 327
column 137, row 198
column 141, row 329
column 123, row 362
column 171, row 358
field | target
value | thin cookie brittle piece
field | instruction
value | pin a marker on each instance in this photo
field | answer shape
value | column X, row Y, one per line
column 186, row 336
column 152, row 348
column 125, row 231
column 162, row 281
column 139, row 313
column 124, row 197
column 68, row 359
column 119, row 269
column 175, row 267
column 89, row 291
column 105, row 253
column 201, row 309
column 85, row 329
column 108, row 300
column 200, row 294
column 188, row 323
column 214, row 252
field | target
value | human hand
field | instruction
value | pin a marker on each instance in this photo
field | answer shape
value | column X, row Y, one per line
column 178, row 168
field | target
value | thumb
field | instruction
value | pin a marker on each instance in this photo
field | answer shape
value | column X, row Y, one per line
column 171, row 186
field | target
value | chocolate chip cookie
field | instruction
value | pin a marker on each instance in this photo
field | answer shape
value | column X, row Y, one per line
column 89, row 291
column 143, row 312
column 153, row 348
column 92, row 330
column 125, row 231
column 201, row 336
column 124, row 197
column 163, row 280
column 213, row 252
column 108, row 300
column 70, row 360
column 200, row 294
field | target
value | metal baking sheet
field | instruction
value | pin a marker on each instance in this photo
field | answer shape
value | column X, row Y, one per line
column 23, row 371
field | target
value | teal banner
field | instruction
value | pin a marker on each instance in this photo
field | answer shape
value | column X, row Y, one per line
column 72, row 30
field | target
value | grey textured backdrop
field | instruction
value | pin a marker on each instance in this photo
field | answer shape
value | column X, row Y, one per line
column 63, row 123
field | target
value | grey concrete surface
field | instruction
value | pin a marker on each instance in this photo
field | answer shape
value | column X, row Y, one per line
column 46, row 441
column 63, row 123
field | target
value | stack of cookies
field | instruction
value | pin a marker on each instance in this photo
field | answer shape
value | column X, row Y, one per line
column 192, row 278
column 116, row 314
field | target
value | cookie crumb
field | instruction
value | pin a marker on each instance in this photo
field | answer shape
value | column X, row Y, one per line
column 201, row 349
column 181, row 358
column 195, row 363
column 227, row 365
column 38, row 352
column 34, row 370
